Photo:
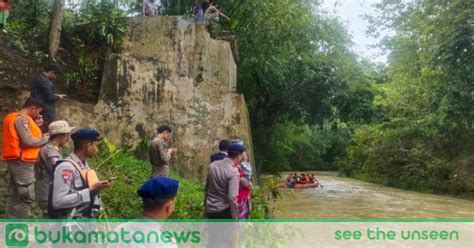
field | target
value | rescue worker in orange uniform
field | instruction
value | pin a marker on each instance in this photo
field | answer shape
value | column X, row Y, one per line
column 22, row 141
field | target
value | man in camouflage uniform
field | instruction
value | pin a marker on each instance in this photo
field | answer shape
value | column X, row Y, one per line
column 159, row 152
column 49, row 155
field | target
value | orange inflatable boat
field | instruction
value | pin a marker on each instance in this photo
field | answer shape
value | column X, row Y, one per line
column 299, row 185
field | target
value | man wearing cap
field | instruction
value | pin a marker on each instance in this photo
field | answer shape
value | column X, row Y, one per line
column 72, row 196
column 222, row 185
column 49, row 155
column 159, row 196
column 22, row 140
column 159, row 152
column 42, row 88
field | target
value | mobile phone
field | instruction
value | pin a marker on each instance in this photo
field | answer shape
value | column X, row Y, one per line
column 111, row 179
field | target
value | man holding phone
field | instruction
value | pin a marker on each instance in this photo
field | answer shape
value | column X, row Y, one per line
column 42, row 88
column 72, row 193
column 159, row 152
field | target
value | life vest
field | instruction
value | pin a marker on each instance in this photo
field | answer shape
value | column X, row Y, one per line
column 88, row 178
column 11, row 141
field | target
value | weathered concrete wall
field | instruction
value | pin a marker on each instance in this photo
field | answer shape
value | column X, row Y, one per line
column 170, row 71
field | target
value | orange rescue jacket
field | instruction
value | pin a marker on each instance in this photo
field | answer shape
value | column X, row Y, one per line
column 11, row 142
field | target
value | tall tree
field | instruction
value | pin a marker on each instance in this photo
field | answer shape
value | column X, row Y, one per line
column 55, row 28
column 426, row 123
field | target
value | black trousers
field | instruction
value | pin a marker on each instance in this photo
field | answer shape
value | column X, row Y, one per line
column 224, row 214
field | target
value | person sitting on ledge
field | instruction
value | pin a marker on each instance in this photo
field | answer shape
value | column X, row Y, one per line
column 149, row 8
column 212, row 13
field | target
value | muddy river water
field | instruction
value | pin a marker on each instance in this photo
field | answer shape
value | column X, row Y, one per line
column 349, row 198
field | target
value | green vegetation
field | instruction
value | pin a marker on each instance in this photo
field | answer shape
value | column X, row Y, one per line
column 90, row 29
column 122, row 201
column 313, row 104
column 424, row 132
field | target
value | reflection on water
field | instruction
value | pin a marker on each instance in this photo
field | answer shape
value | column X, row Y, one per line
column 350, row 198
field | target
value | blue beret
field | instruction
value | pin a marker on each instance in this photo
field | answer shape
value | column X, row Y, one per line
column 159, row 188
column 86, row 134
column 236, row 147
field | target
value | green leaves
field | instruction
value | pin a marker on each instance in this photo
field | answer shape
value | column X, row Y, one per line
column 122, row 201
column 425, row 113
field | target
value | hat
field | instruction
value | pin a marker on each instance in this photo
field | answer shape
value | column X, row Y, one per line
column 59, row 127
column 159, row 188
column 236, row 148
column 52, row 67
column 237, row 141
column 86, row 134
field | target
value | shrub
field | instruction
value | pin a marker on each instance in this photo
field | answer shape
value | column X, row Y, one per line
column 122, row 201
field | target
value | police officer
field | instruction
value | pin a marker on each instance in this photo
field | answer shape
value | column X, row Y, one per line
column 22, row 140
column 159, row 152
column 159, row 198
column 158, row 195
column 71, row 194
column 49, row 155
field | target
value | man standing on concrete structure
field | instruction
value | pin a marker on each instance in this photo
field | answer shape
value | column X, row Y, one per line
column 74, row 192
column 42, row 88
column 222, row 185
column 222, row 153
column 22, row 140
column 49, row 155
column 159, row 152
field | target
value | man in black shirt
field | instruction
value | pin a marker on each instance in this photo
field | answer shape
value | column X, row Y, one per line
column 42, row 89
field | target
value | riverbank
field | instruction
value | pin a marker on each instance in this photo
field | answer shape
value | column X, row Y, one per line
column 342, row 197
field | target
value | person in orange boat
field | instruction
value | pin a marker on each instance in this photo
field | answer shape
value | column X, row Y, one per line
column 307, row 179
column 288, row 177
column 313, row 179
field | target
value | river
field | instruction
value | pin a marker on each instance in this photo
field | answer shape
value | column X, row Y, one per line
column 350, row 198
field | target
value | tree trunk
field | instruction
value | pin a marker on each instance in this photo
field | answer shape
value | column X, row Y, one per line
column 269, row 136
column 55, row 27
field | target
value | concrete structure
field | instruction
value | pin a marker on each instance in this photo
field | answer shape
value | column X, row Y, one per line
column 170, row 71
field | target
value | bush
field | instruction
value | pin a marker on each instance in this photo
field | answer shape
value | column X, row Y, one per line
column 122, row 201
column 399, row 154
column 90, row 31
